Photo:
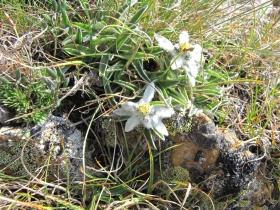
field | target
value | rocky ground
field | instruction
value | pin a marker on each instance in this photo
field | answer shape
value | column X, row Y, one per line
column 197, row 151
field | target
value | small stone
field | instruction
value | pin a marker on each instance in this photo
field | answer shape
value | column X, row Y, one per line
column 4, row 114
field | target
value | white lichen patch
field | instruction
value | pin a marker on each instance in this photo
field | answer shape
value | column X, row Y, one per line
column 59, row 141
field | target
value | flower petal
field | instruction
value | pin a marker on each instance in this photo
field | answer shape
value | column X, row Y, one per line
column 165, row 44
column 184, row 37
column 196, row 53
column 191, row 67
column 191, row 79
column 164, row 112
column 129, row 107
column 147, row 121
column 131, row 123
column 149, row 93
column 122, row 112
column 160, row 127
column 177, row 63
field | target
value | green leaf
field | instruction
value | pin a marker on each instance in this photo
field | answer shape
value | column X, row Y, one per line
column 168, row 83
column 138, row 65
column 184, row 93
column 163, row 90
column 58, row 6
column 208, row 92
column 160, row 135
column 154, row 50
column 68, row 40
column 117, row 67
column 55, row 6
column 47, row 17
column 121, row 40
column 65, row 19
column 76, row 49
column 5, row 80
column 124, row 8
column 138, row 55
column 104, row 64
column 66, row 82
column 79, row 37
column 60, row 74
column 85, row 27
column 106, row 82
column 138, row 15
column 49, row 83
column 126, row 85
column 177, row 96
column 65, row 69
column 99, row 25
column 51, row 73
column 149, row 137
column 18, row 75
column 217, row 74
column 104, row 40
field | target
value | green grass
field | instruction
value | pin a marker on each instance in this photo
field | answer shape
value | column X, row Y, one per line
column 238, row 84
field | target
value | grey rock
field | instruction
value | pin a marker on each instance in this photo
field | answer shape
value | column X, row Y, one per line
column 55, row 146
column 61, row 142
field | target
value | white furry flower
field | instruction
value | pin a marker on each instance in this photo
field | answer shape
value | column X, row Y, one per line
column 184, row 55
column 143, row 113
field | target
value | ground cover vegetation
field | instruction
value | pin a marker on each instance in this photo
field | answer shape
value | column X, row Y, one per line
column 138, row 62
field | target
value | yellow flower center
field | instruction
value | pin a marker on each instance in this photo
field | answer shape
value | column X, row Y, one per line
column 144, row 109
column 185, row 47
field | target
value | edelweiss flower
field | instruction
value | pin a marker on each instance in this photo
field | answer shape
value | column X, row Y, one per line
column 143, row 113
column 184, row 55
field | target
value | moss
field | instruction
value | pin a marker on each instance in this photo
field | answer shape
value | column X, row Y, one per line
column 176, row 173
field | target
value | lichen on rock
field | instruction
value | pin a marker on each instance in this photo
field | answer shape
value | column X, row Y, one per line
column 62, row 144
column 108, row 126
column 178, row 124
column 13, row 144
column 56, row 146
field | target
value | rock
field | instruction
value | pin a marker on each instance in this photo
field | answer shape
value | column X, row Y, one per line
column 214, row 157
column 237, row 170
column 63, row 144
column 55, row 146
column 4, row 114
column 199, row 148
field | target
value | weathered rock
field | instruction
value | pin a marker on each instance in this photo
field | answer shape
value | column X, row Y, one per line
column 199, row 148
column 63, row 144
column 213, row 156
column 54, row 146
